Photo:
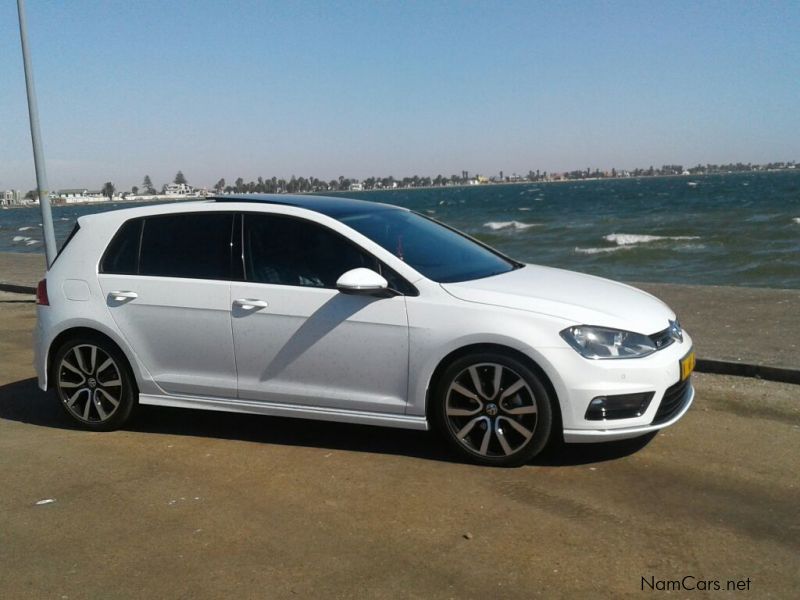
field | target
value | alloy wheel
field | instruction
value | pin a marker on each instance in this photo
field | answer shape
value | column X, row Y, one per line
column 491, row 410
column 89, row 383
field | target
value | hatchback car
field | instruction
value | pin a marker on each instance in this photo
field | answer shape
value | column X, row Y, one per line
column 344, row 310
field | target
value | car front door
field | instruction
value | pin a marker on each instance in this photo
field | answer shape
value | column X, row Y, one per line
column 300, row 341
column 170, row 296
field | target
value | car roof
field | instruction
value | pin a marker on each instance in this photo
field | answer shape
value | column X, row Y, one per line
column 335, row 207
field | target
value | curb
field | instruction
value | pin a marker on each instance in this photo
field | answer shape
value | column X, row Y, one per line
column 17, row 289
column 704, row 365
column 723, row 367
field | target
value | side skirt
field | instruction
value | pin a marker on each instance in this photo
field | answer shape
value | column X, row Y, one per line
column 287, row 410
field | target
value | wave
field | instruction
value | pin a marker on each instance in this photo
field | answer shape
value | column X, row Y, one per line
column 498, row 225
column 20, row 238
column 629, row 239
column 25, row 228
column 32, row 242
column 796, row 220
column 601, row 250
column 524, row 208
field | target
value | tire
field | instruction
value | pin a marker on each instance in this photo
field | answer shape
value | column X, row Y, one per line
column 503, row 427
column 93, row 383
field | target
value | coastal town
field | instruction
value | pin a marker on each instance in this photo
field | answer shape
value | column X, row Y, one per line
column 180, row 188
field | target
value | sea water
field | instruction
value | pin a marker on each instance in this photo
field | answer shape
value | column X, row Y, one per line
column 736, row 229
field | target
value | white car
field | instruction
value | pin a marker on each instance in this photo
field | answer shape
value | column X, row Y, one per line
column 343, row 310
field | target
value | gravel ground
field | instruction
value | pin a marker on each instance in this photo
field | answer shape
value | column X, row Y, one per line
column 209, row 505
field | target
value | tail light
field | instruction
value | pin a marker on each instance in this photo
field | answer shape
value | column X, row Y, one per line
column 41, row 293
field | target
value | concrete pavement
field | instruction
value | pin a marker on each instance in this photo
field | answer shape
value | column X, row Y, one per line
column 738, row 324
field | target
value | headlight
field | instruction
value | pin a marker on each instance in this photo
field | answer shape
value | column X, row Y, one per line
column 601, row 342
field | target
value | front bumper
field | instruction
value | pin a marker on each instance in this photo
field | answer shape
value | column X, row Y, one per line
column 578, row 381
column 668, row 415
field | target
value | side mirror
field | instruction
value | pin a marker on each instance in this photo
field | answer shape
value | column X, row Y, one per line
column 362, row 281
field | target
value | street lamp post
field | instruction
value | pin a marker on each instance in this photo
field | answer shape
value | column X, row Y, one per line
column 36, row 139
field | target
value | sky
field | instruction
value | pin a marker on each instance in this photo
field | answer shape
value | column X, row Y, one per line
column 251, row 88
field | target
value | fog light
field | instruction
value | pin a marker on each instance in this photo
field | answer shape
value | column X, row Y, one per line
column 620, row 406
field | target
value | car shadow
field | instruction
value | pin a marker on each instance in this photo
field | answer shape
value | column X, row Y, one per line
column 559, row 454
column 24, row 402
column 324, row 320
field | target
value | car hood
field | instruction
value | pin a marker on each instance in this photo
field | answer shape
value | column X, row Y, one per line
column 575, row 297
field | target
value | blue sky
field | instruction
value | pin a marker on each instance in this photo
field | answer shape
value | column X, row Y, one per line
column 235, row 88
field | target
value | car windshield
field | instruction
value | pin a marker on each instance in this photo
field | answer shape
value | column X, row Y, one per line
column 438, row 252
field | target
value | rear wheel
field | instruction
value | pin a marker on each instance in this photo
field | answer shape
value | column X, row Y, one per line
column 94, row 383
column 493, row 409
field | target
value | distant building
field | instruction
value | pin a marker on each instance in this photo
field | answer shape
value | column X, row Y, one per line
column 77, row 195
column 356, row 187
column 178, row 189
column 72, row 194
column 11, row 198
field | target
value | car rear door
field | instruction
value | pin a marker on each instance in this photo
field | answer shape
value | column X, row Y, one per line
column 166, row 280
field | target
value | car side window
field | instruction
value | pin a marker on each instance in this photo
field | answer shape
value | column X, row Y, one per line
column 122, row 255
column 192, row 245
column 290, row 251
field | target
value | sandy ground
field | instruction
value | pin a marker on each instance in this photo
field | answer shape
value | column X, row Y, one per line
column 737, row 324
column 190, row 504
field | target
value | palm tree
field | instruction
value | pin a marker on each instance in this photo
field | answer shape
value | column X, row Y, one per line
column 108, row 189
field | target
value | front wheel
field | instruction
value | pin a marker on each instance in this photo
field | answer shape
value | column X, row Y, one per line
column 493, row 409
column 94, row 383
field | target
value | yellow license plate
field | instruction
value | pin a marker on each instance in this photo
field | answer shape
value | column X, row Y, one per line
column 687, row 365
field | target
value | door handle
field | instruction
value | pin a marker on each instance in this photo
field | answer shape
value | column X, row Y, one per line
column 250, row 303
column 122, row 295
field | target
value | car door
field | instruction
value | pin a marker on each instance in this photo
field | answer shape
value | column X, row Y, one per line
column 300, row 341
column 166, row 280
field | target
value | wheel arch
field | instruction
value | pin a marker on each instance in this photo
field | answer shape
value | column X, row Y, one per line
column 500, row 348
column 77, row 331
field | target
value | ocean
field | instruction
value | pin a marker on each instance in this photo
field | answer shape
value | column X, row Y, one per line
column 739, row 229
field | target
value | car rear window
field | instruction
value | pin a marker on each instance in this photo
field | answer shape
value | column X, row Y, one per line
column 122, row 255
column 192, row 245
column 67, row 241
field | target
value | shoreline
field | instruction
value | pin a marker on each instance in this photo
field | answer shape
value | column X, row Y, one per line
column 136, row 200
column 164, row 198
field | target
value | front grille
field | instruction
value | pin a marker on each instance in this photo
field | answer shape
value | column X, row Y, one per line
column 673, row 401
column 662, row 339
